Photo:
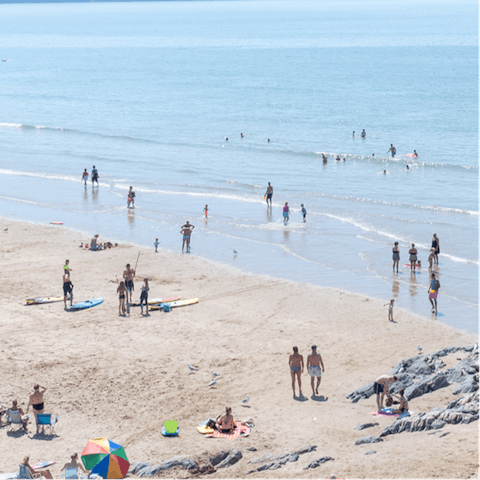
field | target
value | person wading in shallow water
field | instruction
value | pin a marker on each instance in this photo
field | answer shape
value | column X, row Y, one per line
column 395, row 255
column 296, row 369
column 433, row 292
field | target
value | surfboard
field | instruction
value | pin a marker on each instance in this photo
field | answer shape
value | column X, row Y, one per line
column 154, row 301
column 86, row 304
column 180, row 303
column 40, row 300
column 56, row 223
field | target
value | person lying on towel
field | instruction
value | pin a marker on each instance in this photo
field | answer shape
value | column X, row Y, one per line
column 224, row 424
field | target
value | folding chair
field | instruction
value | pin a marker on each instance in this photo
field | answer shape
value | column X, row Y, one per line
column 46, row 420
column 14, row 419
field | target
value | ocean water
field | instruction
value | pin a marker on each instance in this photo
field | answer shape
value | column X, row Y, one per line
column 150, row 92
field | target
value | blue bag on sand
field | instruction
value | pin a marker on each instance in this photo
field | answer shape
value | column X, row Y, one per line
column 166, row 307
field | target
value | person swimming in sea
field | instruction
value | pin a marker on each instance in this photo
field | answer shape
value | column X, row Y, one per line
column 364, row 133
column 415, row 154
column 338, row 158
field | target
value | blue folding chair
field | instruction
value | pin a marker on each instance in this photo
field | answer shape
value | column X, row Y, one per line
column 46, row 420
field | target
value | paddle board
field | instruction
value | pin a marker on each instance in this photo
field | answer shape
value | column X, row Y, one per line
column 86, row 304
column 40, row 300
column 154, row 301
column 180, row 303
column 56, row 223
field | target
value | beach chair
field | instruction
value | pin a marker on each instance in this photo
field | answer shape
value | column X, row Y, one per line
column 46, row 420
column 25, row 473
column 170, row 428
column 15, row 420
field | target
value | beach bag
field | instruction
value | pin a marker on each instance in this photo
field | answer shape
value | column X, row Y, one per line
column 167, row 307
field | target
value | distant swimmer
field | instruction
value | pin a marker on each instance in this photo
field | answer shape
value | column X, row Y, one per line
column 226, row 139
column 304, row 213
column 85, row 176
column 353, row 135
column 131, row 198
column 286, row 213
column 338, row 158
column 344, row 159
column 205, row 211
column 415, row 154
column 364, row 133
column 325, row 159
column 373, row 154
column 393, row 150
column 408, row 168
column 94, row 175
column 268, row 140
column 384, row 172
column 269, row 194
column 241, row 135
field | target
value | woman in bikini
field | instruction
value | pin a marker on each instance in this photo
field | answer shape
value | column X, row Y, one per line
column 36, row 401
column 413, row 257
column 121, row 290
column 296, row 369
column 396, row 255
column 403, row 407
column 73, row 463
column 225, row 423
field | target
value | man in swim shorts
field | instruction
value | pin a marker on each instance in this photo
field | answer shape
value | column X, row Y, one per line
column 67, row 288
column 269, row 194
column 296, row 369
column 314, row 360
column 129, row 275
column 433, row 292
column 94, row 175
column 381, row 387
column 186, row 232
column 393, row 150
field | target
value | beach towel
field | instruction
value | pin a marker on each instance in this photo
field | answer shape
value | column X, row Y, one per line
column 239, row 431
column 388, row 413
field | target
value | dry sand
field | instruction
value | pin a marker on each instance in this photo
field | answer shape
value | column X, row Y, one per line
column 123, row 377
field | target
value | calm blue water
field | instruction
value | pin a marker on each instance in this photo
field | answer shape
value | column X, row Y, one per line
column 149, row 92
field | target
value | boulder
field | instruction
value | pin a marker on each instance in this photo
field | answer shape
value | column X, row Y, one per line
column 178, row 461
column 136, row 467
column 219, row 457
column 232, row 458
column 318, row 462
column 427, row 385
column 368, row 439
column 370, row 452
column 306, row 449
column 366, row 425
column 470, row 384
column 362, row 393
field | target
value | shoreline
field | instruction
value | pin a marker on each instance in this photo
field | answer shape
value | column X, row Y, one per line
column 122, row 377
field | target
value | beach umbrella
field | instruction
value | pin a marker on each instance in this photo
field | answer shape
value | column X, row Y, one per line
column 105, row 458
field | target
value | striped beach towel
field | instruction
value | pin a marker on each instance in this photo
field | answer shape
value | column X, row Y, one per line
column 239, row 431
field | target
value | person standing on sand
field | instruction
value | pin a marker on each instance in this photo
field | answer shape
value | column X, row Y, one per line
column 269, row 194
column 67, row 288
column 85, row 176
column 381, row 388
column 433, row 292
column 296, row 369
column 155, row 244
column 36, row 401
column 144, row 296
column 436, row 246
column 390, row 309
column 395, row 255
column 314, row 360
column 122, row 291
column 393, row 150
column 129, row 275
column 413, row 257
column 66, row 267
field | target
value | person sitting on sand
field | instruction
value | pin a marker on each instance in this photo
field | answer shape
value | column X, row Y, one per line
column 296, row 369
column 122, row 291
column 413, row 257
column 94, row 243
column 36, row 401
column 381, row 388
column 225, row 423
column 34, row 473
column 67, row 288
column 403, row 407
column 16, row 409
column 73, row 463
column 314, row 360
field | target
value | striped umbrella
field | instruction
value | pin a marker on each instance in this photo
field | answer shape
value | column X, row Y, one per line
column 105, row 458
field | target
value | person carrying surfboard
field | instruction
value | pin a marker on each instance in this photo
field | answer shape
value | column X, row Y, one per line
column 67, row 288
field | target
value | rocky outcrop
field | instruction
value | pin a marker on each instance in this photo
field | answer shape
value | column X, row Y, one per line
column 363, row 392
column 233, row 456
column 427, row 385
column 274, row 462
column 366, row 425
column 318, row 462
column 368, row 439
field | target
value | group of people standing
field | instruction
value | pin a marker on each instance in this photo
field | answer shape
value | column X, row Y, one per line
column 94, row 176
column 126, row 287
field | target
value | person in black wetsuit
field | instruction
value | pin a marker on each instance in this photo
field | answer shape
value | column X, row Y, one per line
column 436, row 246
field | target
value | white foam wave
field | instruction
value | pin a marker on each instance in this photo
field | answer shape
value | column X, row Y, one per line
column 49, row 176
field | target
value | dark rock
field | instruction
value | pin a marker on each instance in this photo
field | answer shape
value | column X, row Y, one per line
column 136, row 467
column 366, row 425
column 318, row 462
column 307, row 449
column 444, row 434
column 270, row 466
column 251, row 449
column 233, row 457
column 219, row 457
column 145, row 472
column 427, row 385
column 368, row 439
column 363, row 392
column 470, row 384
column 178, row 461
column 371, row 452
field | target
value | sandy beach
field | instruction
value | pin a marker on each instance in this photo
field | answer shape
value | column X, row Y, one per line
column 122, row 377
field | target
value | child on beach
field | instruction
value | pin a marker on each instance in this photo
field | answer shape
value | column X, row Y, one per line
column 304, row 213
column 144, row 295
column 431, row 258
column 66, row 267
column 155, row 244
column 286, row 213
column 205, row 211
column 390, row 309
column 121, row 290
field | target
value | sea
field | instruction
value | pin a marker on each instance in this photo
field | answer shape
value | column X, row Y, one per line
column 157, row 96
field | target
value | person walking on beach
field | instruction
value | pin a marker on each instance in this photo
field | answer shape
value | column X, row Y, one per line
column 85, row 176
column 286, row 213
column 304, row 212
column 381, row 388
column 205, row 211
column 314, row 360
column 436, row 246
column 295, row 363
column 36, row 401
column 155, row 244
column 390, row 309
column 144, row 296
column 433, row 292
column 393, row 150
column 269, row 194
column 395, row 255
column 94, row 175
column 129, row 275
column 131, row 198
column 186, row 232
column 122, row 291
column 67, row 288
column 413, row 257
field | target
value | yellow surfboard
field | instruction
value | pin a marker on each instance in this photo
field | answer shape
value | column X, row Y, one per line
column 41, row 300
column 154, row 301
column 204, row 429
column 180, row 303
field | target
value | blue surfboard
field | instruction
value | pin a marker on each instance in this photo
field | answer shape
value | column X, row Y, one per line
column 86, row 304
